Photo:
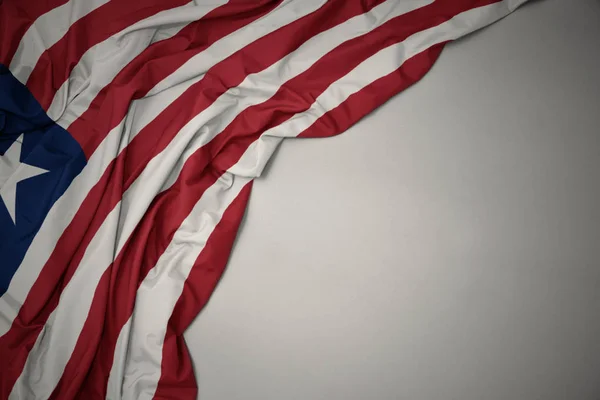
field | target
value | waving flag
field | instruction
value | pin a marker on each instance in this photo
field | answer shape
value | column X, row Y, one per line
column 130, row 134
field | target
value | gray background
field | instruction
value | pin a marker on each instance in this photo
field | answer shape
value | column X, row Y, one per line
column 446, row 247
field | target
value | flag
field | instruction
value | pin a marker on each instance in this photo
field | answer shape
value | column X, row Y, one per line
column 130, row 135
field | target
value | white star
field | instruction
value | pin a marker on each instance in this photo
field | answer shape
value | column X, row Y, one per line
column 13, row 171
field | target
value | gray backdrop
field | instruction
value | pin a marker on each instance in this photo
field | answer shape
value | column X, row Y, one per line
column 446, row 247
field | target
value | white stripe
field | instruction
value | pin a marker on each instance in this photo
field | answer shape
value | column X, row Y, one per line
column 160, row 290
column 177, row 261
column 45, row 364
column 45, row 32
column 102, row 62
column 196, row 67
column 141, row 113
column 259, row 87
column 383, row 63
column 188, row 74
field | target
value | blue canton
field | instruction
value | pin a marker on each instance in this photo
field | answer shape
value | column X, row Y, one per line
column 45, row 146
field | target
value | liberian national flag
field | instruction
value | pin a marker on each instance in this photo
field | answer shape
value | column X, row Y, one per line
column 130, row 134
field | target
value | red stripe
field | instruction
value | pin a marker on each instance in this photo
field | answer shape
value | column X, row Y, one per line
column 173, row 204
column 210, row 264
column 157, row 62
column 374, row 95
column 55, row 65
column 134, row 81
column 122, row 293
column 121, row 281
column 16, row 17
column 180, row 382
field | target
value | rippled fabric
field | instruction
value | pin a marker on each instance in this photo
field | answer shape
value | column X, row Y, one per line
column 151, row 122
